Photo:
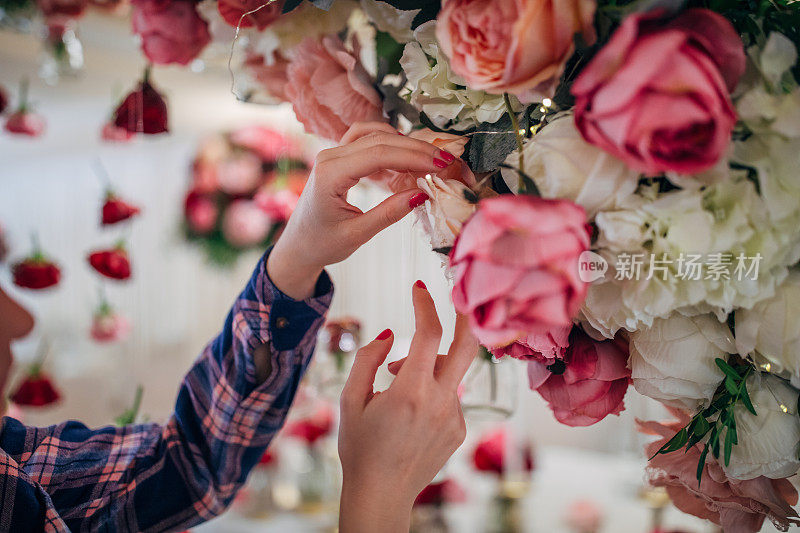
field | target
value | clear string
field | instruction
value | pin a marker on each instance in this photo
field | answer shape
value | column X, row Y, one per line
column 233, row 45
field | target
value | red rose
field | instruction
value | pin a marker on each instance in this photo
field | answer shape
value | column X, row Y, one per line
column 232, row 11
column 172, row 31
column 588, row 384
column 490, row 452
column 658, row 94
column 36, row 272
column 313, row 428
column 440, row 493
column 267, row 459
column 116, row 210
column 143, row 111
column 113, row 263
column 25, row 123
column 36, row 390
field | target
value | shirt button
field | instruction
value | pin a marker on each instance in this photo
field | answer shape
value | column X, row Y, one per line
column 281, row 323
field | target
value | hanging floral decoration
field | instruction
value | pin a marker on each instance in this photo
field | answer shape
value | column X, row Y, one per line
column 37, row 271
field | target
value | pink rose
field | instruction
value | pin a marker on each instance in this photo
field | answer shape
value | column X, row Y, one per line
column 268, row 144
column 588, row 384
column 737, row 506
column 108, row 326
column 658, row 94
column 113, row 133
column 397, row 181
column 239, row 174
column 514, row 46
column 515, row 265
column 25, row 123
column 544, row 346
column 232, row 12
column 329, row 88
column 278, row 205
column 172, row 31
column 201, row 213
column 244, row 224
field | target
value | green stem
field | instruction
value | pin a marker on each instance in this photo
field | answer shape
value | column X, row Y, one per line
column 515, row 124
column 137, row 403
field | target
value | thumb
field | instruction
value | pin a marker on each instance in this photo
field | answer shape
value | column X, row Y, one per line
column 386, row 213
column 358, row 388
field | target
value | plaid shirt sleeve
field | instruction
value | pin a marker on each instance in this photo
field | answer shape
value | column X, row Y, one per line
column 169, row 477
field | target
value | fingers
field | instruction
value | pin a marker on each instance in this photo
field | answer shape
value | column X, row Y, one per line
column 462, row 351
column 381, row 139
column 358, row 388
column 360, row 129
column 425, row 344
column 383, row 215
column 395, row 366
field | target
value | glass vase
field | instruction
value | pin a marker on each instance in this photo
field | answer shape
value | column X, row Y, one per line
column 63, row 52
column 489, row 390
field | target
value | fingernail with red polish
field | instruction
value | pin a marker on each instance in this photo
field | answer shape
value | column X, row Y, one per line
column 447, row 156
column 419, row 284
column 401, row 133
column 385, row 334
column 417, row 200
column 439, row 163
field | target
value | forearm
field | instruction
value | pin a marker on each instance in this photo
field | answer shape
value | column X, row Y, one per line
column 364, row 511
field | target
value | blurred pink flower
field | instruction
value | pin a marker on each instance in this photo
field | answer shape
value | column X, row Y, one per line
column 737, row 506
column 240, row 174
column 268, row 144
column 172, row 31
column 272, row 76
column 658, row 94
column 490, row 453
column 588, row 384
column 108, row 326
column 201, row 213
column 329, row 88
column 25, row 122
column 278, row 205
column 244, row 224
column 584, row 516
column 312, row 428
column 113, row 133
column 236, row 12
column 515, row 266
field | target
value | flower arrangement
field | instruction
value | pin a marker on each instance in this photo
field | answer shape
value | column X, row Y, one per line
column 245, row 185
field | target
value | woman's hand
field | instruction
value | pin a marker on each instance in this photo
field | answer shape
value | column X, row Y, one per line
column 324, row 228
column 392, row 443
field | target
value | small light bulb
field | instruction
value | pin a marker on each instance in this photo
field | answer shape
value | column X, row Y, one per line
column 784, row 408
column 767, row 367
column 522, row 131
column 547, row 102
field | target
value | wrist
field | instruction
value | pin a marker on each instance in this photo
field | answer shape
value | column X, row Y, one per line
column 365, row 509
column 290, row 274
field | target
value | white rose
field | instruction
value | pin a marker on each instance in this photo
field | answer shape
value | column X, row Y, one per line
column 446, row 211
column 673, row 360
column 389, row 19
column 770, row 331
column 439, row 92
column 768, row 441
column 564, row 165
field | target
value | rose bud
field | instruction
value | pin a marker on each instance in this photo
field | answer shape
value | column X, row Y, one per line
column 113, row 263
column 143, row 110
column 116, row 210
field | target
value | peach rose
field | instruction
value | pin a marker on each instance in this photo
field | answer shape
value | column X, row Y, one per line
column 513, row 46
column 329, row 88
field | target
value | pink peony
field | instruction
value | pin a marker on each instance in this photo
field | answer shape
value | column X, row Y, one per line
column 544, row 347
column 514, row 46
column 244, row 224
column 329, row 88
column 397, row 181
column 264, row 12
column 201, row 213
column 737, row 506
column 658, row 94
column 240, row 174
column 113, row 133
column 172, row 31
column 278, row 205
column 272, row 76
column 25, row 122
column 490, row 453
column 588, row 384
column 108, row 326
column 268, row 144
column 515, row 266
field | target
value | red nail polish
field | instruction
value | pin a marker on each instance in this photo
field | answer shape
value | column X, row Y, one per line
column 385, row 334
column 420, row 285
column 439, row 163
column 417, row 200
column 401, row 133
column 447, row 156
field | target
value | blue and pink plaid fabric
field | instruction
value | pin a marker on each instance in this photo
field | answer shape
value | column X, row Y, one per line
column 152, row 477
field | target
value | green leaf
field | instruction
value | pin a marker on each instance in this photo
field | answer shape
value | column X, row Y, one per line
column 714, row 441
column 745, row 397
column 729, row 436
column 389, row 52
column 727, row 369
column 701, row 464
column 675, row 443
column 730, row 384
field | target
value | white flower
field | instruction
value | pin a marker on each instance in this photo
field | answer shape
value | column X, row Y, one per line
column 564, row 165
column 446, row 211
column 770, row 331
column 767, row 441
column 439, row 92
column 672, row 361
column 389, row 19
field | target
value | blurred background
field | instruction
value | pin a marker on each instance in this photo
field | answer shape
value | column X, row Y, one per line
column 550, row 477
